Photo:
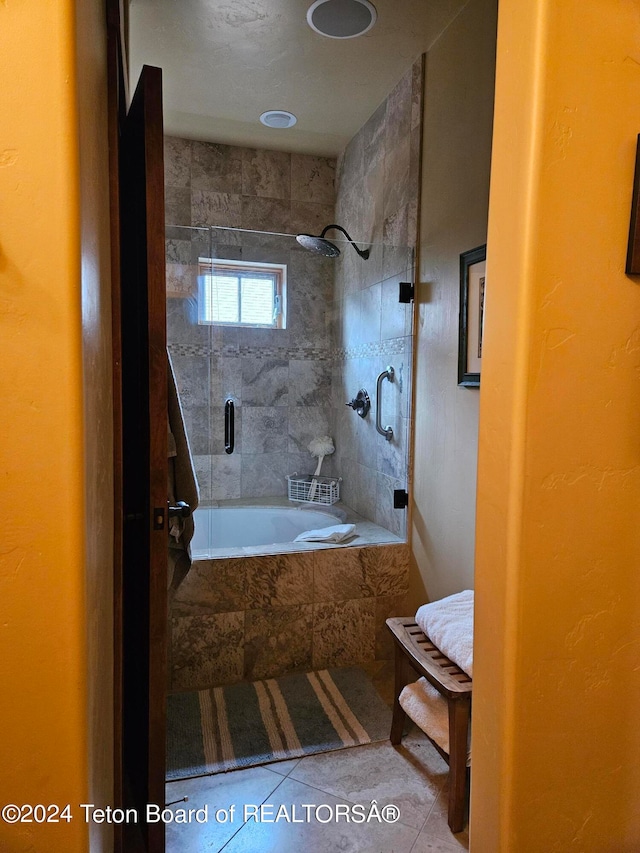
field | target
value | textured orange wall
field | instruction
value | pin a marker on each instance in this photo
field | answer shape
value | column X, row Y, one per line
column 42, row 590
column 557, row 682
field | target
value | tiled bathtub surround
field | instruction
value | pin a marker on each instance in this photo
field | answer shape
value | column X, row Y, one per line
column 344, row 323
column 280, row 380
column 260, row 617
column 377, row 184
column 255, row 617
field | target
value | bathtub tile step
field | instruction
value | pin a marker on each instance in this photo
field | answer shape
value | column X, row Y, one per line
column 212, row 586
column 206, row 649
column 279, row 580
column 278, row 640
column 343, row 633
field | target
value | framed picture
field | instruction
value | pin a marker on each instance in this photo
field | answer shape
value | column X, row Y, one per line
column 472, row 289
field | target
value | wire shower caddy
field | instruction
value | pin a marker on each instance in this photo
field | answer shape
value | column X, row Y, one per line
column 300, row 489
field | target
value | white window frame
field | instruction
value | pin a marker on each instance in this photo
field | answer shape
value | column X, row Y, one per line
column 208, row 267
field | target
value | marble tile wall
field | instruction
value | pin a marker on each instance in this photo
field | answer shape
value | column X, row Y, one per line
column 261, row 617
column 377, row 186
column 280, row 379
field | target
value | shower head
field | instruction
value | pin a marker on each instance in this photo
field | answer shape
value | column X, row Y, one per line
column 318, row 245
column 325, row 247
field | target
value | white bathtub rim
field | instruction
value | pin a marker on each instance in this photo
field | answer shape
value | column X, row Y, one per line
column 366, row 532
column 336, row 511
column 265, row 526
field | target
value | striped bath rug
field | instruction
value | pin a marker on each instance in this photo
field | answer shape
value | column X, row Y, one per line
column 252, row 723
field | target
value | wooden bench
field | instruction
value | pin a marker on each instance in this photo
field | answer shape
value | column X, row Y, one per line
column 415, row 653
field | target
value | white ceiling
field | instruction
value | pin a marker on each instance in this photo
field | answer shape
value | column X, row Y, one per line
column 227, row 61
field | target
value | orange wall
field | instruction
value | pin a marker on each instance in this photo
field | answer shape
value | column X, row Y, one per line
column 44, row 595
column 556, row 741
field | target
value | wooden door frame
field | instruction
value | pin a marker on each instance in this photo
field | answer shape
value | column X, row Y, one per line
column 145, row 465
column 135, row 133
column 117, row 96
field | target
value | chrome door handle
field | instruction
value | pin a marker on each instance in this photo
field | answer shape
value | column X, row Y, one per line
column 180, row 508
column 387, row 431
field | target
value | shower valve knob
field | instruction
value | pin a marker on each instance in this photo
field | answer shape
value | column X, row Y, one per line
column 360, row 403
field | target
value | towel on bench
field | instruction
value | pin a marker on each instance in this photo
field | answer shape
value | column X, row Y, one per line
column 429, row 711
column 449, row 625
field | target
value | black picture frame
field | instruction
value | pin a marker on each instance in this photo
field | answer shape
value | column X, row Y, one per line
column 471, row 317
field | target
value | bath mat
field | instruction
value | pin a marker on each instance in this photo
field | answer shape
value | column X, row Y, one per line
column 253, row 723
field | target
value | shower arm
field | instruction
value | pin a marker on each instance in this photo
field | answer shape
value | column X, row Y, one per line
column 364, row 253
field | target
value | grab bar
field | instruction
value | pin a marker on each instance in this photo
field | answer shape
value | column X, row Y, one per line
column 229, row 426
column 387, row 432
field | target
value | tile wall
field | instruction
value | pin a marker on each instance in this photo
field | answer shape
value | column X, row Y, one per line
column 377, row 187
column 261, row 617
column 280, row 380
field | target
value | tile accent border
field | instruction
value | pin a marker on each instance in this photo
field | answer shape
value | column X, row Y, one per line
column 392, row 346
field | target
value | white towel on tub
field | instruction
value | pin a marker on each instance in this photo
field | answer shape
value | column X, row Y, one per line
column 336, row 533
column 449, row 625
column 429, row 710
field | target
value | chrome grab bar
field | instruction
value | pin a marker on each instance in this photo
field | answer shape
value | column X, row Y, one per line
column 387, row 432
column 229, row 426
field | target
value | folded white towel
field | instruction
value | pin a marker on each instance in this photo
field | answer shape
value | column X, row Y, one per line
column 337, row 533
column 449, row 625
column 428, row 710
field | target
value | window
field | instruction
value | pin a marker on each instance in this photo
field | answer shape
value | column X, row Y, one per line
column 241, row 293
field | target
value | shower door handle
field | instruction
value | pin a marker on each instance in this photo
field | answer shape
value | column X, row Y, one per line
column 229, row 426
column 387, row 432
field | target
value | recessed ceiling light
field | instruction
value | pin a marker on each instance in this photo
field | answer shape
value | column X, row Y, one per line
column 278, row 118
column 341, row 19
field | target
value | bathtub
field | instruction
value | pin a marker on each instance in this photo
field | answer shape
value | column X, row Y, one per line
column 238, row 527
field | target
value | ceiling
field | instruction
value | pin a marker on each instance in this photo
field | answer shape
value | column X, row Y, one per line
column 227, row 61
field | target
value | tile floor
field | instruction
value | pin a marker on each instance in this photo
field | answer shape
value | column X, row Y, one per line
column 412, row 776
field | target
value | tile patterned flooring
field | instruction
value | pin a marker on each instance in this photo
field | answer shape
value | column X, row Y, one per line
column 412, row 776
